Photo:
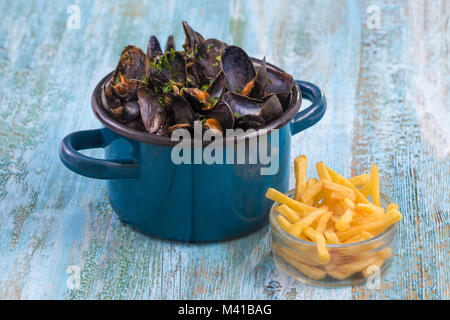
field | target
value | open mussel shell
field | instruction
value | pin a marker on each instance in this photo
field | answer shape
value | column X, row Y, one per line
column 258, row 89
column 279, row 83
column 223, row 114
column 208, row 56
column 238, row 68
column 179, row 111
column 218, row 86
column 153, row 47
column 133, row 64
column 271, row 109
column 241, row 104
column 170, row 44
column 110, row 101
column 250, row 121
column 197, row 98
column 126, row 89
column 193, row 39
column 152, row 112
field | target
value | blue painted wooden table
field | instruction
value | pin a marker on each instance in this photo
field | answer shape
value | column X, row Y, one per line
column 386, row 82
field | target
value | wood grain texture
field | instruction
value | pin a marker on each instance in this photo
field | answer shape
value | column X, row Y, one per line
column 388, row 97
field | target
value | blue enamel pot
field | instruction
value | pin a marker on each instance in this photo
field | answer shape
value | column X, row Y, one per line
column 182, row 201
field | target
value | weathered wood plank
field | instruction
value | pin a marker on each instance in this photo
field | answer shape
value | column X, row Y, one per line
column 388, row 102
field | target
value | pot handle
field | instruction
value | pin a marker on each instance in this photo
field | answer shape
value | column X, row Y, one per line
column 91, row 167
column 310, row 116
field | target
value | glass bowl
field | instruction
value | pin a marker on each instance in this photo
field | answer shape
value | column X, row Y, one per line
column 350, row 264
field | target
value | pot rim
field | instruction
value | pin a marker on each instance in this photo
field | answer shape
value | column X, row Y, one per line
column 108, row 121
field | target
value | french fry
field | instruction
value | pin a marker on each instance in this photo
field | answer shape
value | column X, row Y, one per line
column 392, row 206
column 336, row 177
column 283, row 222
column 300, row 166
column 331, row 237
column 312, row 272
column 366, row 235
column 348, row 204
column 311, row 191
column 279, row 197
column 297, row 228
column 344, row 222
column 339, row 189
column 308, row 256
column 323, row 221
column 322, row 172
column 321, row 244
column 359, row 180
column 291, row 215
column 369, row 208
column 346, row 270
column 356, row 238
column 390, row 218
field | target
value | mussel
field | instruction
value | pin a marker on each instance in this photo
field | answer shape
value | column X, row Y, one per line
column 126, row 89
column 170, row 44
column 223, row 114
column 271, row 109
column 152, row 112
column 153, row 47
column 209, row 56
column 111, row 102
column 133, row 64
column 179, row 111
column 238, row 68
column 250, row 121
column 193, row 39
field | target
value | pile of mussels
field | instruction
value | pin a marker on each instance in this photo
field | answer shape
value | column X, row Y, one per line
column 209, row 81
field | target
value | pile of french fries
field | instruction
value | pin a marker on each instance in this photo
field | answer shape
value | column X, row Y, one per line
column 333, row 210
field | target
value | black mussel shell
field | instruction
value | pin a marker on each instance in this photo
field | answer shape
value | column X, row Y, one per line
column 271, row 109
column 192, row 74
column 152, row 112
column 133, row 64
column 238, row 68
column 250, row 121
column 242, row 105
column 223, row 114
column 179, row 110
column 127, row 89
column 278, row 82
column 192, row 38
column 153, row 47
column 170, row 44
column 131, row 110
column 197, row 98
column 208, row 56
column 218, row 86
column 259, row 85
column 110, row 101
